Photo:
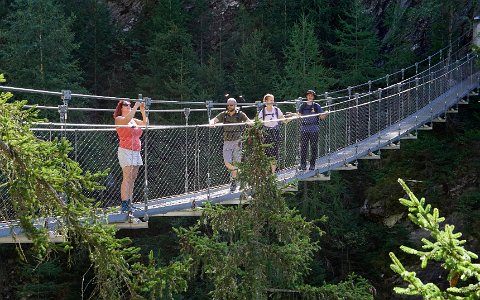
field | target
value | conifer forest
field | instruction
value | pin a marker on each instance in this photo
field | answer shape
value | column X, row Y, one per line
column 374, row 233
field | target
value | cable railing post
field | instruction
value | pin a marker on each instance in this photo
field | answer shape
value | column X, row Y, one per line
column 401, row 105
column 186, row 112
column 329, row 140
column 148, row 102
column 259, row 106
column 209, row 105
column 327, row 104
column 417, row 81
column 416, row 68
column 197, row 160
column 429, row 79
column 447, row 80
column 379, row 91
column 471, row 76
column 63, row 109
column 298, row 104
column 285, row 146
column 369, row 116
column 348, row 119
column 403, row 74
column 357, row 123
column 76, row 145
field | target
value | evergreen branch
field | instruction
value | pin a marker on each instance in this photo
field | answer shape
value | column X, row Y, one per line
column 446, row 248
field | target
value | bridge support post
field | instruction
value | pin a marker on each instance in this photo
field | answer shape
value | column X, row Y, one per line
column 148, row 104
column 476, row 31
column 186, row 112
column 63, row 109
column 209, row 105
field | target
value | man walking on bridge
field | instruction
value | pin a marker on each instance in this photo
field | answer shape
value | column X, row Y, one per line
column 232, row 134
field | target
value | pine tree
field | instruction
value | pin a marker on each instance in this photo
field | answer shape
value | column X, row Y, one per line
column 4, row 8
column 97, row 38
column 399, row 49
column 38, row 47
column 200, row 26
column 245, row 250
column 211, row 80
column 303, row 68
column 256, row 68
column 358, row 48
column 232, row 40
column 171, row 64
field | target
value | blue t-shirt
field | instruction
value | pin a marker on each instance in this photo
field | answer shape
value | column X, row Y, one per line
column 310, row 124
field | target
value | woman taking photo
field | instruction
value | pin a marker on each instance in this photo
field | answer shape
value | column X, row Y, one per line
column 129, row 155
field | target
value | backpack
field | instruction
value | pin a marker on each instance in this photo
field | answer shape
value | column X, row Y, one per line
column 310, row 121
column 315, row 107
column 237, row 115
column 275, row 113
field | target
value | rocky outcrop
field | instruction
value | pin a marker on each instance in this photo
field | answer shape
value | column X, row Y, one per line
column 126, row 12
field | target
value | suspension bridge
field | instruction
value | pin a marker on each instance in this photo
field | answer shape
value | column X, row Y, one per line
column 183, row 165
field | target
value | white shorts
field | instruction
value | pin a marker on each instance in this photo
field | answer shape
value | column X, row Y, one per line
column 127, row 157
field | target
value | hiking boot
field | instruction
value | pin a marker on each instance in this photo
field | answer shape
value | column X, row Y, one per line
column 124, row 207
column 233, row 185
column 303, row 168
column 312, row 167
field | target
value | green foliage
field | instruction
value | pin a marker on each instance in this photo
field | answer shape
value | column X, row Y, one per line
column 4, row 8
column 255, row 70
column 399, row 53
column 42, row 280
column 357, row 48
column 303, row 68
column 425, row 27
column 348, row 235
column 201, row 22
column 428, row 161
column 469, row 206
column 38, row 47
column 353, row 287
column 170, row 65
column 211, row 78
column 446, row 247
column 245, row 250
column 42, row 181
column 167, row 13
column 97, row 37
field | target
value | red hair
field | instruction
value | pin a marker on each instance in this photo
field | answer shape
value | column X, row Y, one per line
column 118, row 109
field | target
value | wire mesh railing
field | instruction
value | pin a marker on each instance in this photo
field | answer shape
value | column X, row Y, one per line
column 187, row 159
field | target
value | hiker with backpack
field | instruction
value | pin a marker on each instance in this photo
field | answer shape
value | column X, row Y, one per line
column 232, row 137
column 271, row 117
column 309, row 129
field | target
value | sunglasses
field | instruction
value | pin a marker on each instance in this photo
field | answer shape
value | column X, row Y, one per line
column 125, row 104
column 231, row 105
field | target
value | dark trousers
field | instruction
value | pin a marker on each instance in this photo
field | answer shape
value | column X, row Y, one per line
column 272, row 136
column 305, row 139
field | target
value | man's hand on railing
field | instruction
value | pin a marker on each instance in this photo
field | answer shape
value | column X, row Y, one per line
column 323, row 115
